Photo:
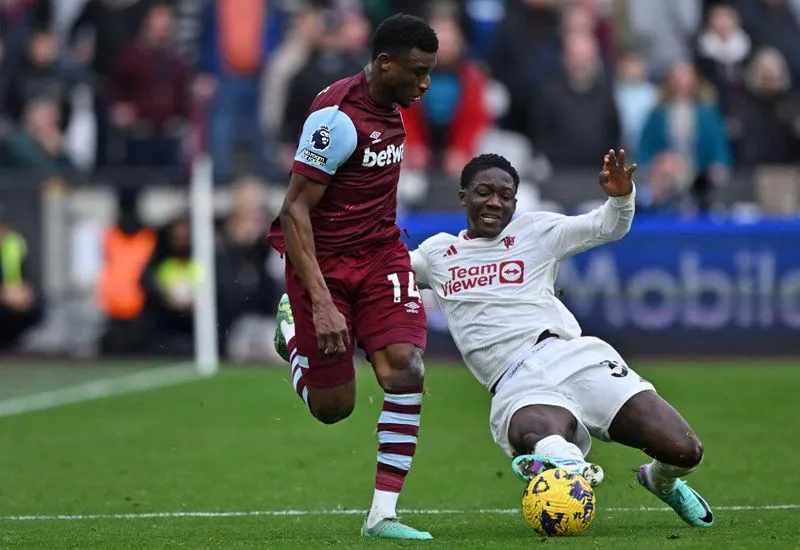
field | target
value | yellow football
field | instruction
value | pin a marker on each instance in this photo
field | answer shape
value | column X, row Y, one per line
column 558, row 503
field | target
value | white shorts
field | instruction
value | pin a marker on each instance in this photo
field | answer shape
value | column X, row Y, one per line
column 584, row 375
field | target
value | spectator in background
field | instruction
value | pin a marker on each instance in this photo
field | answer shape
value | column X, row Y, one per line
column 19, row 307
column 635, row 97
column 288, row 59
column 770, row 142
column 686, row 125
column 770, row 117
column 39, row 144
column 39, row 76
column 590, row 17
column 378, row 10
column 525, row 55
column 774, row 23
column 444, row 128
column 340, row 50
column 170, row 281
column 253, row 293
column 663, row 30
column 234, row 45
column 19, row 19
column 481, row 19
column 723, row 48
column 662, row 187
column 127, row 246
column 149, row 94
column 99, row 35
column 575, row 119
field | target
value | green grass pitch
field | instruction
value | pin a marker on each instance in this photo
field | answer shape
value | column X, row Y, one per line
column 241, row 447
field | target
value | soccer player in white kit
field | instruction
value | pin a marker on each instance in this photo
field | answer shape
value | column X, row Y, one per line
column 552, row 387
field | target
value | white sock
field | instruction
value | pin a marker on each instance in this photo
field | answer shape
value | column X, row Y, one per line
column 555, row 446
column 384, row 505
column 288, row 330
column 661, row 477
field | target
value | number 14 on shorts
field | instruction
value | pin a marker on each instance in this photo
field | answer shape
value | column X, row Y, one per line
column 412, row 292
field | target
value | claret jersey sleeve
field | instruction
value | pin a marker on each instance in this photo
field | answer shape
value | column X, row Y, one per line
column 329, row 138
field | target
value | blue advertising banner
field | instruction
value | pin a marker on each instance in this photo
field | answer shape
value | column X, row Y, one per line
column 677, row 288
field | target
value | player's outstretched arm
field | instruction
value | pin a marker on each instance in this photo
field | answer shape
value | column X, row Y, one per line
column 567, row 235
column 301, row 197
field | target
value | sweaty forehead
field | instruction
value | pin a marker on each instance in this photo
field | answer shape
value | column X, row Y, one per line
column 493, row 177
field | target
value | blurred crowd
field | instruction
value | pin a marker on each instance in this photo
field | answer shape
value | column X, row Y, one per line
column 694, row 90
column 691, row 88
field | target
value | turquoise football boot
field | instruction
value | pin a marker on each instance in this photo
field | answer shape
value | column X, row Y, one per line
column 690, row 506
column 284, row 314
column 391, row 528
column 526, row 467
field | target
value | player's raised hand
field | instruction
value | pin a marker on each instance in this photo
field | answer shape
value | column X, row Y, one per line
column 616, row 179
column 331, row 326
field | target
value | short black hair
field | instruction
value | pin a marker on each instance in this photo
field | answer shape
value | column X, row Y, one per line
column 485, row 162
column 401, row 33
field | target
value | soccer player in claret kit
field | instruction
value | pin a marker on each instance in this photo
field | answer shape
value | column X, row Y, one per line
column 552, row 387
column 348, row 273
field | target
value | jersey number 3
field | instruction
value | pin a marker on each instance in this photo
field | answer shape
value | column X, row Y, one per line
column 397, row 289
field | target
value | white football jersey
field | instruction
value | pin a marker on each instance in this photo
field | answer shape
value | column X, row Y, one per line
column 498, row 295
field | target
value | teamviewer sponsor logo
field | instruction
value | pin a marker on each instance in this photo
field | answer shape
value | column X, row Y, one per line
column 511, row 272
column 391, row 155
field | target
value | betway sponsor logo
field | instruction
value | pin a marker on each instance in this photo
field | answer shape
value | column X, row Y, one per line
column 391, row 155
column 511, row 272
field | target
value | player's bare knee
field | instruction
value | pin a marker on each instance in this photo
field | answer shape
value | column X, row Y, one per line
column 400, row 367
column 689, row 453
column 531, row 424
column 331, row 413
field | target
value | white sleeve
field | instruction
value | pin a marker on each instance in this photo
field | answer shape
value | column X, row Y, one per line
column 419, row 263
column 567, row 235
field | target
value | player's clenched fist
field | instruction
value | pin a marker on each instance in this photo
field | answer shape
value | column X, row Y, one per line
column 332, row 335
column 616, row 179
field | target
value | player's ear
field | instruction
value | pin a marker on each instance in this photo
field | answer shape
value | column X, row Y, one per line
column 462, row 198
column 383, row 61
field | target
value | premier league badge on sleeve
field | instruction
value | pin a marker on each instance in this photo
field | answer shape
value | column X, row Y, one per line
column 321, row 138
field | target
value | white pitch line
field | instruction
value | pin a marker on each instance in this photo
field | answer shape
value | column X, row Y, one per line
column 148, row 379
column 350, row 512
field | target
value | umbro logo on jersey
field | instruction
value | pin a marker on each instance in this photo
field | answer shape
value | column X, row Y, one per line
column 375, row 137
column 450, row 251
column 412, row 307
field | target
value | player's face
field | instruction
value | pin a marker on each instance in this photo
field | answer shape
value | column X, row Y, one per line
column 408, row 76
column 490, row 201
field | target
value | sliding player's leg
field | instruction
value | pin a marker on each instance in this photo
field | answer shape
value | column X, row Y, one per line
column 391, row 327
column 325, row 384
column 543, row 436
column 648, row 422
column 535, row 422
column 619, row 405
